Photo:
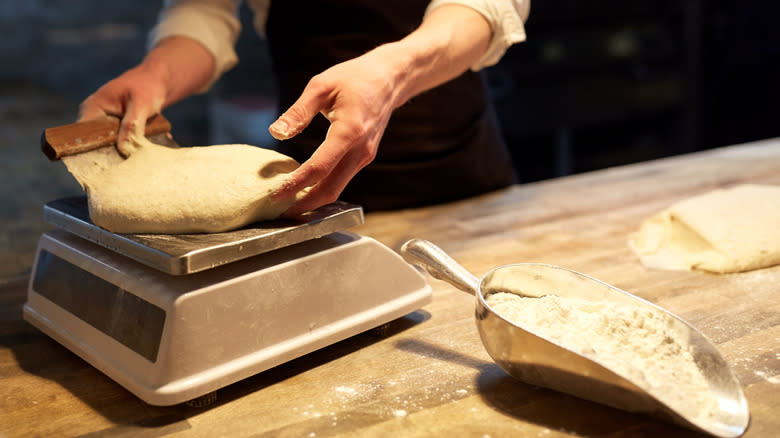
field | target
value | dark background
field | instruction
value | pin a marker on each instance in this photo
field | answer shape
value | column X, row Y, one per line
column 598, row 83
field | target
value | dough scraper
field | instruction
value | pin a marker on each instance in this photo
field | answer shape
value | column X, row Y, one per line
column 90, row 146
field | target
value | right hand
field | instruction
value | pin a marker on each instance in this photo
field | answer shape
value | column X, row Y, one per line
column 176, row 68
column 134, row 96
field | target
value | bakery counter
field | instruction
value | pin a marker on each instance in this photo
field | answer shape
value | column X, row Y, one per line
column 428, row 374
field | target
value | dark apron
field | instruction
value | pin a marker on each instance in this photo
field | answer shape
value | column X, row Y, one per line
column 442, row 145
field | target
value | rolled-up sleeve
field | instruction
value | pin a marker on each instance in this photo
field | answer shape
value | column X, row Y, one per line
column 212, row 23
column 506, row 20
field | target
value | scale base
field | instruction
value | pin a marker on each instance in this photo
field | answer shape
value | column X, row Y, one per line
column 169, row 339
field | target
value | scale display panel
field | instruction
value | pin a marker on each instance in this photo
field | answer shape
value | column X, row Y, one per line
column 130, row 320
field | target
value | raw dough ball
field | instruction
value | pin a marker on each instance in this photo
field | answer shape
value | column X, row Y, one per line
column 730, row 230
column 206, row 189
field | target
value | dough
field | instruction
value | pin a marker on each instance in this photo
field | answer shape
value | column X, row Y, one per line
column 729, row 230
column 205, row 189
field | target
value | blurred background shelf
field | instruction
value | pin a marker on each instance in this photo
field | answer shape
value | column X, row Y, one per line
column 606, row 82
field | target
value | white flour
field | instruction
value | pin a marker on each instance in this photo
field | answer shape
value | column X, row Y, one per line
column 637, row 343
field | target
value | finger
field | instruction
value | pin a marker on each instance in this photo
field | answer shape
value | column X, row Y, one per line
column 329, row 189
column 338, row 142
column 133, row 122
column 91, row 113
column 313, row 99
column 311, row 172
column 92, row 108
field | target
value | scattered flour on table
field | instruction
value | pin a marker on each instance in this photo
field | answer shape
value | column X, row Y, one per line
column 399, row 413
column 346, row 390
column 775, row 380
column 635, row 342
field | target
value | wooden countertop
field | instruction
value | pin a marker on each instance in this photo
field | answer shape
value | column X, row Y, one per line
column 428, row 374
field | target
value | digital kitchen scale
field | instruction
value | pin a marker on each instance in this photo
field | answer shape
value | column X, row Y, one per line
column 175, row 317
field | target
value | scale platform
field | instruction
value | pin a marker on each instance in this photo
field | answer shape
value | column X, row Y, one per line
column 174, row 318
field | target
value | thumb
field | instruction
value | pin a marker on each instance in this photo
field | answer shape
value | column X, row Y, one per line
column 289, row 124
column 298, row 116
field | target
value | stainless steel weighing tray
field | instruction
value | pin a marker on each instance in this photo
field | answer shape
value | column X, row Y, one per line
column 180, row 254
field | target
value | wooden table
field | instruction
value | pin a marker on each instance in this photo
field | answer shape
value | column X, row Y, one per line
column 428, row 374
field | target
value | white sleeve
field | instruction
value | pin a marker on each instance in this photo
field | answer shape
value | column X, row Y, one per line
column 505, row 18
column 260, row 9
column 212, row 23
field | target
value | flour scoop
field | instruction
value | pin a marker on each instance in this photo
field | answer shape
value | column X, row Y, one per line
column 527, row 352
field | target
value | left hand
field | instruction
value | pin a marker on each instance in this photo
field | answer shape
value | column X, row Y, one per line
column 357, row 97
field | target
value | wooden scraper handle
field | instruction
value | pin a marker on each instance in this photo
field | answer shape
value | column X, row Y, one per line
column 75, row 138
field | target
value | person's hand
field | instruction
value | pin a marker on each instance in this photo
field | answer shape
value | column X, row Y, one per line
column 134, row 96
column 357, row 97
column 176, row 68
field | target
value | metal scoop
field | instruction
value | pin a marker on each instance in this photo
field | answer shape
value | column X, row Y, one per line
column 535, row 359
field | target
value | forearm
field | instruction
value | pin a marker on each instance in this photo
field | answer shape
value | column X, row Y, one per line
column 447, row 43
column 184, row 66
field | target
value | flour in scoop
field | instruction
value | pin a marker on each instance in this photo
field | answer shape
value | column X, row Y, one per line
column 637, row 343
